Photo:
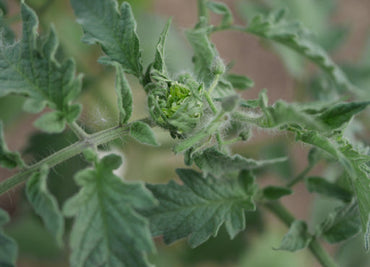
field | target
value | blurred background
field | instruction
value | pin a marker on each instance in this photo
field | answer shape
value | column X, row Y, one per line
column 341, row 27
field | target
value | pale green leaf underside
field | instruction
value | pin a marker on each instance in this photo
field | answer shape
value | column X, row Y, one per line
column 341, row 224
column 199, row 207
column 297, row 237
column 124, row 95
column 8, row 159
column 107, row 231
column 45, row 204
column 114, row 29
column 9, row 249
column 159, row 60
column 293, row 35
column 204, row 54
column 217, row 163
column 29, row 68
column 143, row 133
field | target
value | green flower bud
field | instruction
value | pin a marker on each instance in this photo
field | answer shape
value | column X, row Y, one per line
column 177, row 106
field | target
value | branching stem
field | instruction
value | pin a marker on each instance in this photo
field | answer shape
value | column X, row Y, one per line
column 79, row 132
column 64, row 154
column 315, row 247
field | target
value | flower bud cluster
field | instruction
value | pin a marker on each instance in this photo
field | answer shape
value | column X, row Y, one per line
column 176, row 105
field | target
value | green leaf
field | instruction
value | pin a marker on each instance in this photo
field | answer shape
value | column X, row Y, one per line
column 45, row 204
column 159, row 59
column 275, row 192
column 341, row 113
column 217, row 163
column 297, row 237
column 3, row 7
column 199, row 207
column 8, row 159
column 52, row 122
column 355, row 164
column 107, row 231
column 30, row 68
column 204, row 54
column 9, row 249
column 240, row 82
column 221, row 9
column 293, row 35
column 124, row 95
column 114, row 29
column 341, row 224
column 321, row 186
column 362, row 188
column 143, row 133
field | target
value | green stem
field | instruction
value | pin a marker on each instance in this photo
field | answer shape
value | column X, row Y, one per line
column 203, row 11
column 78, row 131
column 64, row 154
column 300, row 176
column 287, row 218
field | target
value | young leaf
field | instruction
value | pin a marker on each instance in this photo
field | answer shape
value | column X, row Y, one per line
column 321, row 186
column 143, row 133
column 337, row 115
column 297, row 237
column 159, row 60
column 221, row 9
column 293, row 35
column 198, row 208
column 45, row 204
column 8, row 159
column 204, row 54
column 9, row 249
column 124, row 95
column 276, row 192
column 217, row 163
column 114, row 29
column 107, row 231
column 29, row 68
column 240, row 82
column 341, row 224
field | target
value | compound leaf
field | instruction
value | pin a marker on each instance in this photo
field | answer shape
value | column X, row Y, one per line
column 275, row 27
column 29, row 68
column 8, row 159
column 297, row 237
column 217, row 163
column 114, row 29
column 9, row 249
column 355, row 164
column 45, row 204
column 199, row 207
column 124, row 95
column 107, row 231
column 143, row 133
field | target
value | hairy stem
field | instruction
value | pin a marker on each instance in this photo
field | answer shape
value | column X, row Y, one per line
column 78, row 131
column 64, row 154
column 287, row 218
column 300, row 176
